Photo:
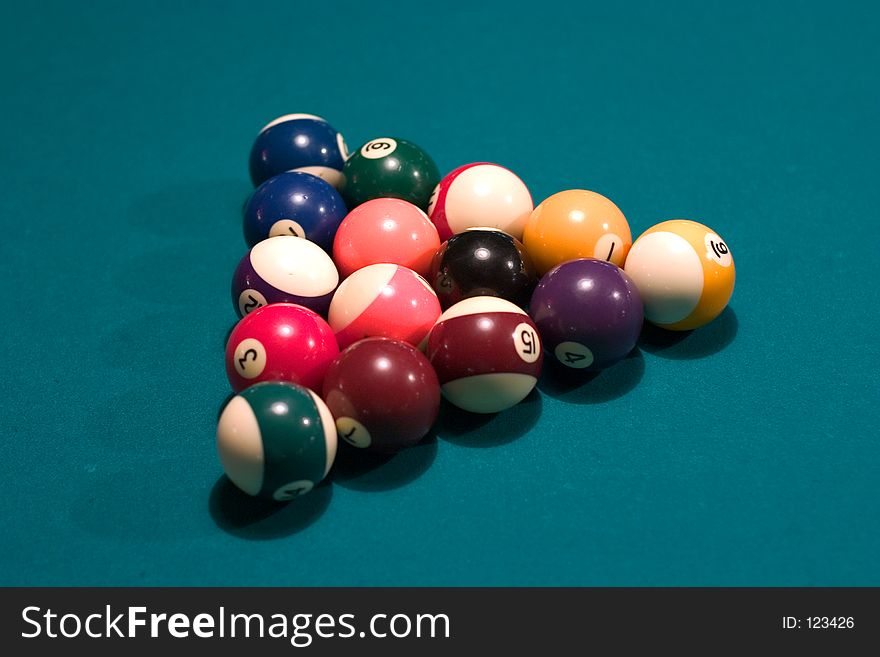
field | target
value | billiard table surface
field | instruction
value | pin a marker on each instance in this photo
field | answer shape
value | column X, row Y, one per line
column 743, row 453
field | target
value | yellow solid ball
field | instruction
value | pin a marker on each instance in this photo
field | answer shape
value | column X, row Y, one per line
column 576, row 224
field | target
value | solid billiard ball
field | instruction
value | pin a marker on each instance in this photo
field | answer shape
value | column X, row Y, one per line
column 298, row 142
column 482, row 262
column 280, row 342
column 487, row 354
column 276, row 440
column 389, row 167
column 385, row 230
column 383, row 300
column 284, row 269
column 576, row 224
column 383, row 393
column 684, row 272
column 294, row 203
column 588, row 312
column 480, row 194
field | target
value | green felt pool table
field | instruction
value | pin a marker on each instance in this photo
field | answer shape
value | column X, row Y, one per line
column 743, row 453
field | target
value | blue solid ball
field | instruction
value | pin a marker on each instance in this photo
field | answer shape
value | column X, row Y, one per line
column 294, row 203
column 301, row 142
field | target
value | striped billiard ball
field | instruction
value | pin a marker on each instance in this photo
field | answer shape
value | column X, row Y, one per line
column 480, row 194
column 276, row 440
column 280, row 342
column 298, row 142
column 284, row 269
column 383, row 300
column 685, row 274
column 487, row 354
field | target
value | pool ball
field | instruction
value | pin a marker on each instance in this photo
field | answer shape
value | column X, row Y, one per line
column 298, row 142
column 576, row 224
column 383, row 393
column 385, row 230
column 294, row 203
column 588, row 312
column 280, row 342
column 276, row 440
column 383, row 300
column 284, row 269
column 480, row 194
column 685, row 274
column 482, row 262
column 487, row 354
column 389, row 167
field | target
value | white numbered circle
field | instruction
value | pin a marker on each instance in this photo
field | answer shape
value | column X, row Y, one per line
column 249, row 300
column 343, row 148
column 609, row 247
column 717, row 250
column 353, row 432
column 378, row 148
column 528, row 345
column 574, row 355
column 286, row 227
column 293, row 489
column 249, row 358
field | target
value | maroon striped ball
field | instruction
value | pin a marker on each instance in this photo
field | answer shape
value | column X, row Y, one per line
column 487, row 354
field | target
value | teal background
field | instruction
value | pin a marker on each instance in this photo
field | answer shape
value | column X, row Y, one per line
column 745, row 453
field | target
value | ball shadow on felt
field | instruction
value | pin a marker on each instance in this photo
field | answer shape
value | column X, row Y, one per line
column 698, row 343
column 580, row 387
column 255, row 518
column 363, row 470
column 488, row 429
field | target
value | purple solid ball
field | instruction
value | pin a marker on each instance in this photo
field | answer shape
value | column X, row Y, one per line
column 588, row 312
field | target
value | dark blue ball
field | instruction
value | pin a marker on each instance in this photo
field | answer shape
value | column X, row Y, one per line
column 301, row 142
column 294, row 203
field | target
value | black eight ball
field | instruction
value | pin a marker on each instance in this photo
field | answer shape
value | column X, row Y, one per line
column 482, row 262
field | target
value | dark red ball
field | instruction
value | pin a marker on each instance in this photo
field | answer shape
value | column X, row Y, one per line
column 383, row 393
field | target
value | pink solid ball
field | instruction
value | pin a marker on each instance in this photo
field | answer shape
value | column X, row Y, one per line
column 387, row 230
